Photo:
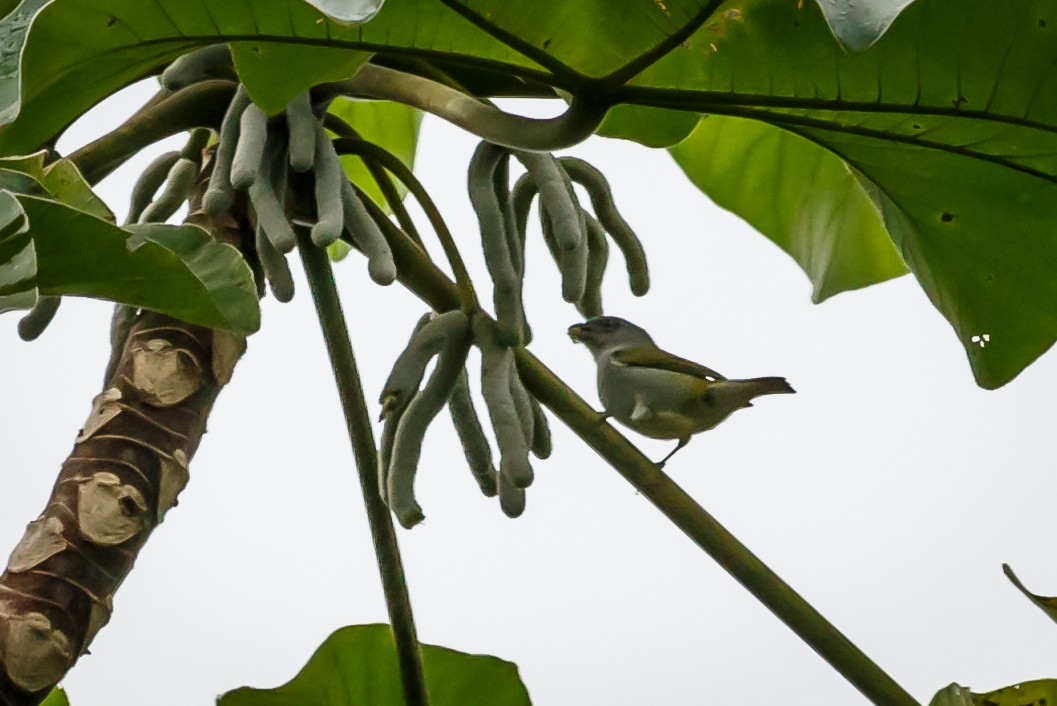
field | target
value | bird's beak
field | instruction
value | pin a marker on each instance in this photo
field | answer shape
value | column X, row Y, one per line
column 574, row 333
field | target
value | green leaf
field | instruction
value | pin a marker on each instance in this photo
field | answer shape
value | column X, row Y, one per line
column 7, row 6
column 857, row 25
column 61, row 180
column 18, row 260
column 175, row 270
column 796, row 193
column 13, row 30
column 56, row 697
column 392, row 126
column 275, row 73
column 653, row 127
column 125, row 40
column 1029, row 693
column 951, row 117
column 67, row 185
column 357, row 666
column 989, row 273
column 1046, row 603
column 338, row 250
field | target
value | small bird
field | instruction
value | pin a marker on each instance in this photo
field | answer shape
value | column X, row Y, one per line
column 656, row 393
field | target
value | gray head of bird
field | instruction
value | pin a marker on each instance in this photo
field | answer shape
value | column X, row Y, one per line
column 607, row 334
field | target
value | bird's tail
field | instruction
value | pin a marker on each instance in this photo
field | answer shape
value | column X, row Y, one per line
column 768, row 386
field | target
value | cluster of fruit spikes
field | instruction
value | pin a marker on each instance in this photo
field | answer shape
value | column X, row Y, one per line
column 575, row 238
column 255, row 152
column 518, row 420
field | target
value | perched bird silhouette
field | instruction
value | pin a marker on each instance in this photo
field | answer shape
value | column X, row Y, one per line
column 656, row 393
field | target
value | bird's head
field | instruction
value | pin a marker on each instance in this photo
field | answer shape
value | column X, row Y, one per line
column 606, row 334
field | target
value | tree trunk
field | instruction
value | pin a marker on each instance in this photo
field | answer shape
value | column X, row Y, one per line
column 128, row 464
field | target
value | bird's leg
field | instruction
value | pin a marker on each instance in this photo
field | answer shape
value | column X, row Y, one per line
column 603, row 415
column 682, row 442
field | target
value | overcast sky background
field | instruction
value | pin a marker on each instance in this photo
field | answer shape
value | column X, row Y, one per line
column 887, row 492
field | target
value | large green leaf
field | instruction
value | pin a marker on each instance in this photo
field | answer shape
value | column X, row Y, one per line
column 951, row 116
column 176, row 270
column 125, row 40
column 357, row 666
column 392, row 126
column 120, row 41
column 799, row 195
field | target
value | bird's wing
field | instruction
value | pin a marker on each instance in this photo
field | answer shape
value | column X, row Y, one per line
column 656, row 358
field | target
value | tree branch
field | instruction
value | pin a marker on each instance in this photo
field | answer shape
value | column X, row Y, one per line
column 357, row 420
column 199, row 105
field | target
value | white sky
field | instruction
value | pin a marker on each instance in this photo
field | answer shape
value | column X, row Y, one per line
column 887, row 492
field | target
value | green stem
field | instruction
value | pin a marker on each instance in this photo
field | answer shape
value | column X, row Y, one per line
column 429, row 283
column 385, row 183
column 199, row 105
column 711, row 536
column 582, row 118
column 373, row 153
column 357, row 420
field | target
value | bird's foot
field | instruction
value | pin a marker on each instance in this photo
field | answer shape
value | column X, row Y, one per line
column 603, row 416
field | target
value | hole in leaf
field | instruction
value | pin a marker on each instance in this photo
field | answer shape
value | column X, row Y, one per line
column 947, row 217
column 981, row 339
